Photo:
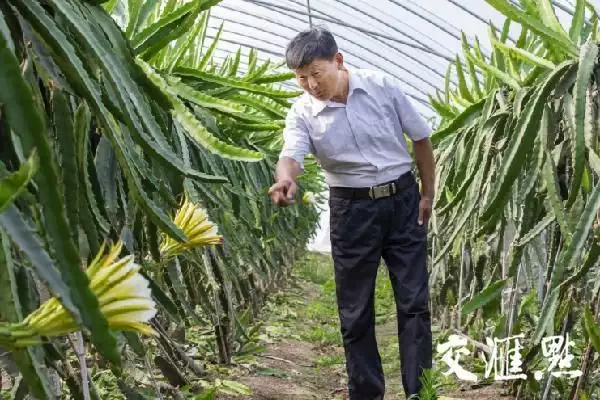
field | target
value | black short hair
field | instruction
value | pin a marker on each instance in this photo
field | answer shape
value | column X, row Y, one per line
column 309, row 45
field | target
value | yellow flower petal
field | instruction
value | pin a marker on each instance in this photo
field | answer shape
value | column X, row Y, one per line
column 133, row 326
column 137, row 316
column 199, row 230
column 116, row 308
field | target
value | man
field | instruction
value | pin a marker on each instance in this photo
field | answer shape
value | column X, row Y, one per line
column 354, row 122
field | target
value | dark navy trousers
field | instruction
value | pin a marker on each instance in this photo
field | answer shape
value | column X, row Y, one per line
column 364, row 231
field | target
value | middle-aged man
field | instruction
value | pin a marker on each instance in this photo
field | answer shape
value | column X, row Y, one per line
column 354, row 122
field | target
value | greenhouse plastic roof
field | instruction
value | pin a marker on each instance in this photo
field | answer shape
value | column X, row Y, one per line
column 413, row 40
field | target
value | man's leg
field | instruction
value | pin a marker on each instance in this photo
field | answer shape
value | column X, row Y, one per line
column 356, row 250
column 405, row 253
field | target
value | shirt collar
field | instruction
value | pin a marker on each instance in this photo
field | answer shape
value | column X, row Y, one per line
column 355, row 82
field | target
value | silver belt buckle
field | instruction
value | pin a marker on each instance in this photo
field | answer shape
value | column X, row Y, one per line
column 377, row 192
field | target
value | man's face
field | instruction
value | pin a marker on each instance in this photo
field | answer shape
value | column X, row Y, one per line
column 320, row 78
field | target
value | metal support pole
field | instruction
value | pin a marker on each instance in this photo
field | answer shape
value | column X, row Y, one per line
column 309, row 14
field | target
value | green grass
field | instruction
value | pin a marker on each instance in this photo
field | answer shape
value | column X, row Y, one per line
column 315, row 268
column 320, row 323
column 330, row 360
column 307, row 311
column 320, row 320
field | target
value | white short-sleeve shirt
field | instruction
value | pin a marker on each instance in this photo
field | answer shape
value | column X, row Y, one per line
column 360, row 143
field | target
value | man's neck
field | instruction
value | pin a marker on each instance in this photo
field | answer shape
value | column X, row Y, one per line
column 342, row 94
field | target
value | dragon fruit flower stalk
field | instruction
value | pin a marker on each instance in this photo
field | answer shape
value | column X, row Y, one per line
column 123, row 295
column 200, row 231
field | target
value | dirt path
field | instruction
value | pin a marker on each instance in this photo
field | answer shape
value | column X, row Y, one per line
column 303, row 357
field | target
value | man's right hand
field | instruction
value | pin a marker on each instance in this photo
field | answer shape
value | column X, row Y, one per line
column 282, row 193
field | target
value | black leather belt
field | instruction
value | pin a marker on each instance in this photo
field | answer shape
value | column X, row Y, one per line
column 374, row 192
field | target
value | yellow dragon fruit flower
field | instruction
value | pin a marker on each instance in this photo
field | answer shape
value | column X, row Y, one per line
column 308, row 198
column 123, row 294
column 200, row 231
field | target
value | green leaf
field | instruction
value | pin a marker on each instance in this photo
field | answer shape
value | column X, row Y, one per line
column 521, row 141
column 78, row 77
column 592, row 328
column 441, row 108
column 270, row 108
column 233, row 71
column 129, row 91
column 63, row 129
column 197, row 97
column 548, row 34
column 458, row 227
column 133, row 10
column 274, row 78
column 195, row 129
column 22, row 234
column 497, row 61
column 464, row 119
column 536, row 230
column 179, row 287
column 447, row 79
column 594, row 162
column 490, row 293
column 141, row 14
column 456, row 98
column 210, row 51
column 552, row 190
column 546, row 316
column 524, row 55
column 549, row 17
column 238, row 388
column 235, row 83
column 13, row 185
column 159, row 43
column 577, row 21
column 81, row 126
column 486, row 132
column 505, row 31
column 189, row 40
column 30, row 365
column 110, row 5
column 590, row 261
column 570, row 255
column 107, row 169
column 472, row 73
column 497, row 73
column 30, row 127
column 159, row 33
column 462, row 81
column 5, row 32
column 587, row 61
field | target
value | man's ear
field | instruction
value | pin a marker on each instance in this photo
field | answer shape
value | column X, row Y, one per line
column 339, row 60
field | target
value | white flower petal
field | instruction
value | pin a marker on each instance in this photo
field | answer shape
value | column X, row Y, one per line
column 134, row 287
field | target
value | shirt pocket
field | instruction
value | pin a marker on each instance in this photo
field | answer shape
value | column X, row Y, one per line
column 381, row 132
column 388, row 121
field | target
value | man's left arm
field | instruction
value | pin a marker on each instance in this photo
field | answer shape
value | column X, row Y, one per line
column 426, row 165
column 418, row 131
